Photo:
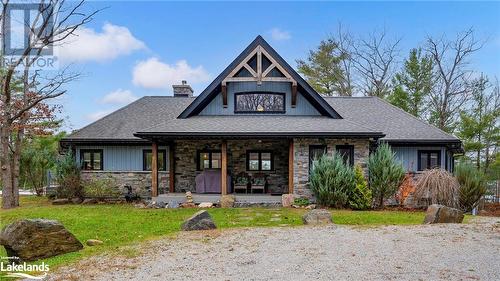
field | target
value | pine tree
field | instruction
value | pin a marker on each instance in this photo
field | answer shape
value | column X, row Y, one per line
column 413, row 83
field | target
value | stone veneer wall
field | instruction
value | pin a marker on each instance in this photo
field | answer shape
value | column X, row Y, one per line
column 301, row 159
column 140, row 181
column 186, row 156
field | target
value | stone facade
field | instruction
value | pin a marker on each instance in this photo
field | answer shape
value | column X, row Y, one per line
column 186, row 155
column 301, row 159
column 140, row 181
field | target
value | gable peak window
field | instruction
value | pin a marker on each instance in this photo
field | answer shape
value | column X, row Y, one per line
column 259, row 102
column 91, row 159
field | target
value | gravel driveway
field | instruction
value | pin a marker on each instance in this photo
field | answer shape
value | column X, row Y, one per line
column 424, row 252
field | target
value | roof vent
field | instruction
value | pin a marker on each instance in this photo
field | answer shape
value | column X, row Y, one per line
column 183, row 90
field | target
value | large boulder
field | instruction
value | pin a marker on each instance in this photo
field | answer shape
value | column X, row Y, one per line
column 199, row 221
column 443, row 214
column 317, row 216
column 227, row 201
column 287, row 200
column 34, row 239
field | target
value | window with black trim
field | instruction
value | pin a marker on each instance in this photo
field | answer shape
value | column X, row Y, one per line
column 429, row 159
column 260, row 160
column 347, row 153
column 91, row 159
column 315, row 152
column 209, row 159
column 147, row 160
column 259, row 102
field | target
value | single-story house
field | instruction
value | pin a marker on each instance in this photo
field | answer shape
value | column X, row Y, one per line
column 259, row 120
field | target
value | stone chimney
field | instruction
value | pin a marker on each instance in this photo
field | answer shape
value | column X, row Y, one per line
column 183, row 90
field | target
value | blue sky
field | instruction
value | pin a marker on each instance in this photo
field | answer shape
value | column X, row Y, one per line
column 133, row 49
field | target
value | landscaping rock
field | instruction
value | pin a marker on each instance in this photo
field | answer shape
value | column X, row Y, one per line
column 172, row 204
column 94, row 242
column 287, row 200
column 206, row 205
column 62, row 201
column 161, row 204
column 188, row 205
column 89, row 201
column 34, row 239
column 199, row 221
column 317, row 216
column 227, row 201
column 76, row 200
column 443, row 214
column 310, row 207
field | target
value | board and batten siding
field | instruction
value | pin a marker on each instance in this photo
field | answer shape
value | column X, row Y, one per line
column 121, row 158
column 408, row 155
column 215, row 107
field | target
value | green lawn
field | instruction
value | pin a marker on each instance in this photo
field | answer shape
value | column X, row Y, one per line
column 122, row 225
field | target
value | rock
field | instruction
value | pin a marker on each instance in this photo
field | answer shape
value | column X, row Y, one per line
column 60, row 201
column 140, row 205
column 310, row 207
column 89, row 201
column 188, row 205
column 94, row 242
column 76, row 200
column 172, row 204
column 161, row 204
column 189, row 197
column 287, row 200
column 295, row 206
column 34, row 239
column 206, row 205
column 317, row 216
column 199, row 221
column 443, row 214
column 227, row 201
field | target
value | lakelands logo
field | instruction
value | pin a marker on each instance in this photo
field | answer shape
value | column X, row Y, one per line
column 17, row 270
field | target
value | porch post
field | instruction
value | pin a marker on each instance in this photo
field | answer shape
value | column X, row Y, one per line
column 171, row 168
column 154, row 169
column 224, row 168
column 290, row 166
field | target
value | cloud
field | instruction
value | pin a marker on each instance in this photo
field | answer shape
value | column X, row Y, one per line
column 279, row 35
column 118, row 97
column 154, row 74
column 107, row 45
column 94, row 116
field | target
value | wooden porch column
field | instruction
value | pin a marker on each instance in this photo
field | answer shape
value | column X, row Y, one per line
column 171, row 168
column 154, row 169
column 290, row 166
column 224, row 168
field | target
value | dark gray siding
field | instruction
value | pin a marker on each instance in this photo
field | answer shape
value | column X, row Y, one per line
column 408, row 155
column 121, row 158
column 215, row 106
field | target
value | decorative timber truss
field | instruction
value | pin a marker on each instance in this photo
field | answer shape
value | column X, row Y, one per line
column 259, row 66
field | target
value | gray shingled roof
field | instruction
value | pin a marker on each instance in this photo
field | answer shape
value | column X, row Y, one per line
column 361, row 116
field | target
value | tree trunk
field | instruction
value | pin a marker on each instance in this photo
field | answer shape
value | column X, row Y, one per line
column 10, row 193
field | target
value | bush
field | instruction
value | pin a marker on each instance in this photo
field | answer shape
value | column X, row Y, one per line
column 437, row 186
column 385, row 173
column 361, row 196
column 301, row 201
column 406, row 188
column 101, row 188
column 68, row 178
column 331, row 181
column 472, row 186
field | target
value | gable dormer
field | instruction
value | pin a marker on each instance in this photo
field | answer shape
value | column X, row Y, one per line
column 259, row 81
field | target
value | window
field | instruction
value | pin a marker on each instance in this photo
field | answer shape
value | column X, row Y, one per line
column 147, row 160
column 428, row 159
column 259, row 102
column 315, row 152
column 347, row 153
column 209, row 159
column 91, row 159
column 260, row 161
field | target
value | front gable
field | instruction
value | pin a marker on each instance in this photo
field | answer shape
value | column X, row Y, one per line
column 259, row 81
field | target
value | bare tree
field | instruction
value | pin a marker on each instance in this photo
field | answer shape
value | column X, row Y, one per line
column 452, row 86
column 345, row 42
column 374, row 59
column 23, row 88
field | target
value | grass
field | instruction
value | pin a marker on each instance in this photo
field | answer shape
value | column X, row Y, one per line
column 121, row 226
